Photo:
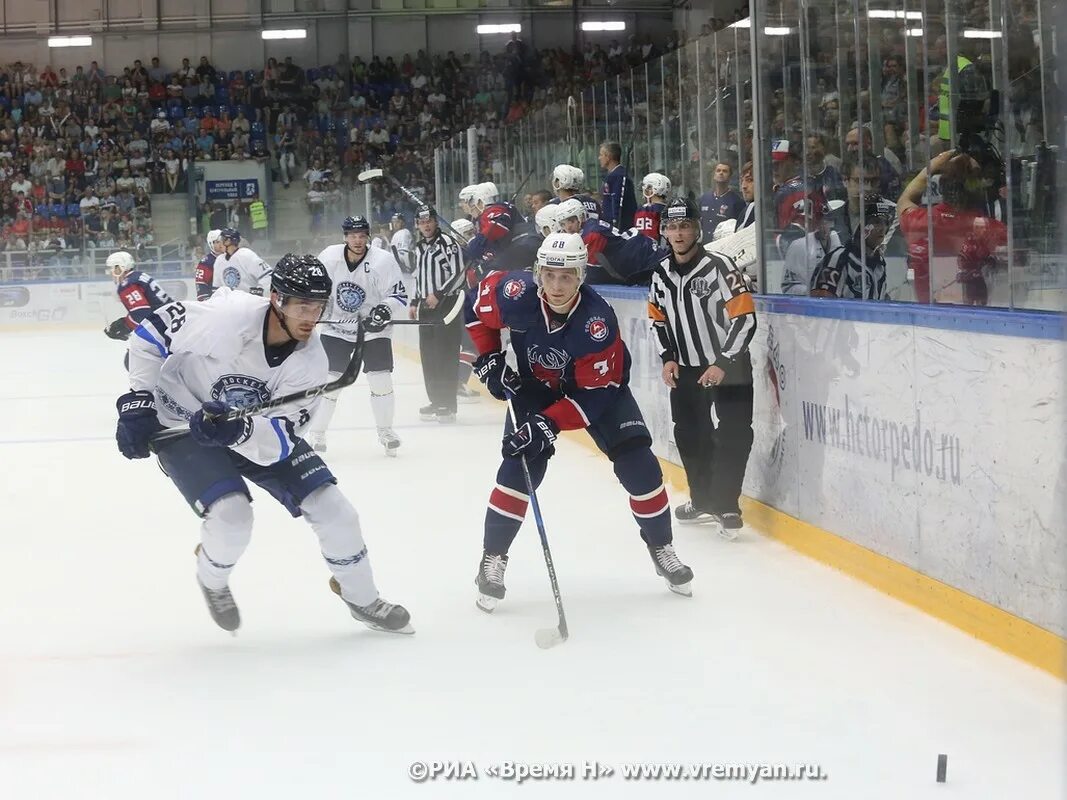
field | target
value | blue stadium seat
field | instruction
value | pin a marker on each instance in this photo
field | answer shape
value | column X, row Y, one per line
column 59, row 210
column 312, row 74
column 250, row 75
column 233, row 74
column 258, row 131
column 175, row 113
column 74, row 210
column 43, row 210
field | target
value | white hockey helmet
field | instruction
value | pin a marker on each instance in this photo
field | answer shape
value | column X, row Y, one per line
column 465, row 229
column 570, row 208
column 724, row 229
column 547, row 219
column 567, row 177
column 655, row 184
column 213, row 236
column 119, row 263
column 466, row 194
column 561, row 251
column 485, row 194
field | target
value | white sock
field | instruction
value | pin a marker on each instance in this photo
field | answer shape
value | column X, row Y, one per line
column 224, row 535
column 336, row 523
column 382, row 399
column 325, row 411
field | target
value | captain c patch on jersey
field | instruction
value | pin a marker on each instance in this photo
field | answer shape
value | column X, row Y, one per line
column 350, row 296
column 240, row 391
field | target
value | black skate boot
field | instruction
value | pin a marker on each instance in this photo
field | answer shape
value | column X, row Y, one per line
column 670, row 567
column 688, row 514
column 730, row 525
column 428, row 413
column 379, row 615
column 490, row 581
column 222, row 607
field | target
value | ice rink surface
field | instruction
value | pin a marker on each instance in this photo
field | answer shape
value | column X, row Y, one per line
column 116, row 684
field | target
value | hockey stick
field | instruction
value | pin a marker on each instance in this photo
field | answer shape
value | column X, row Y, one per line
column 522, row 185
column 544, row 637
column 346, row 378
column 374, row 174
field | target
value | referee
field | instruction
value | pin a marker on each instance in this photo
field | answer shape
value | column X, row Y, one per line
column 703, row 317
column 439, row 276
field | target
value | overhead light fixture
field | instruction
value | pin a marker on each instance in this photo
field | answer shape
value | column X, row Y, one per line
column 593, row 26
column 915, row 32
column 885, row 13
column 507, row 27
column 777, row 31
column 70, row 41
column 742, row 23
column 972, row 33
column 286, row 33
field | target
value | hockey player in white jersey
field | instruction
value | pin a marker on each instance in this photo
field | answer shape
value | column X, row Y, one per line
column 192, row 363
column 402, row 244
column 239, row 267
column 368, row 288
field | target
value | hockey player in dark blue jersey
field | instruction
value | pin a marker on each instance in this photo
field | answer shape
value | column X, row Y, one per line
column 503, row 239
column 614, row 256
column 204, row 278
column 568, row 182
column 138, row 291
column 573, row 373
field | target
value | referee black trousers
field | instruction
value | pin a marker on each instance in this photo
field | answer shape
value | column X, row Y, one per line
column 439, row 353
column 714, row 458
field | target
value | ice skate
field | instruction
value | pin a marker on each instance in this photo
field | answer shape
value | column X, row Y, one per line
column 222, row 607
column 446, row 416
column 379, row 615
column 729, row 525
column 389, row 440
column 669, row 566
column 688, row 514
column 428, row 413
column 490, row 581
column 465, row 395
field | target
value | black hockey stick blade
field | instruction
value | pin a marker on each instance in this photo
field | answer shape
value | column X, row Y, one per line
column 346, row 378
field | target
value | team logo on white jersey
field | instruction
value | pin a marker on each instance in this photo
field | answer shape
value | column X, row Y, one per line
column 547, row 357
column 597, row 328
column 701, row 287
column 240, row 391
column 514, row 289
column 231, row 277
column 350, row 296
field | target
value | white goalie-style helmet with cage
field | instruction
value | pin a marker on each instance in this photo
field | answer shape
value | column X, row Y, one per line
column 561, row 251
column 567, row 177
column 655, row 184
column 119, row 263
column 547, row 219
column 485, row 194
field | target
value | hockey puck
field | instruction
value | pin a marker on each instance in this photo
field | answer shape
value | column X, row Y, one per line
column 942, row 767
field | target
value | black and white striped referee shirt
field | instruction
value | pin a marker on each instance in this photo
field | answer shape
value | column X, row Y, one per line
column 843, row 274
column 438, row 266
column 702, row 312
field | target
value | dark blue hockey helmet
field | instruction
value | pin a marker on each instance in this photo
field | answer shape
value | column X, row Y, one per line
column 355, row 224
column 303, row 277
column 230, row 236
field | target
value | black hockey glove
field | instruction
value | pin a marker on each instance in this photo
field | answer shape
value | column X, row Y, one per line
column 118, row 330
column 532, row 438
column 500, row 379
column 378, row 318
column 209, row 426
column 137, row 424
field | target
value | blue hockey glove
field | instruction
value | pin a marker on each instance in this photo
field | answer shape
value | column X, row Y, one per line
column 378, row 318
column 532, row 438
column 500, row 379
column 209, row 426
column 137, row 424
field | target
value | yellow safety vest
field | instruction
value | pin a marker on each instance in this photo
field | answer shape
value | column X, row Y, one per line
column 944, row 103
column 258, row 212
